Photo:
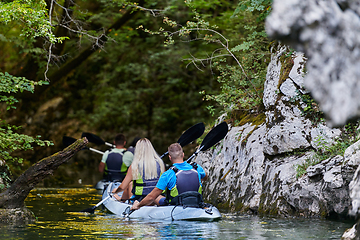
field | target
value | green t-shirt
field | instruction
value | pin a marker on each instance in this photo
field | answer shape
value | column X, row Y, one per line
column 127, row 156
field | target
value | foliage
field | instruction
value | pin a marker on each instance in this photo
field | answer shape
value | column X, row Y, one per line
column 11, row 85
column 31, row 15
column 10, row 140
column 242, row 90
column 241, row 81
column 311, row 110
column 133, row 82
column 150, row 93
column 349, row 135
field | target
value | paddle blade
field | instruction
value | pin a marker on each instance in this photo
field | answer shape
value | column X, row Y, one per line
column 215, row 135
column 93, row 138
column 67, row 141
column 89, row 210
column 191, row 134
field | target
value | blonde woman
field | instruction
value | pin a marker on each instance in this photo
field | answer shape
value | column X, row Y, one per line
column 144, row 172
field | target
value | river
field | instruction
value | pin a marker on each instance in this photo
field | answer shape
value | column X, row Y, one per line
column 59, row 217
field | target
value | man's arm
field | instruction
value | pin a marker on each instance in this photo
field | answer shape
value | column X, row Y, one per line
column 101, row 167
column 103, row 161
column 204, row 178
column 128, row 158
column 125, row 183
column 148, row 200
column 202, row 172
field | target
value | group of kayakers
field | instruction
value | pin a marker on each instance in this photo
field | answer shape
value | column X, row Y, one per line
column 144, row 180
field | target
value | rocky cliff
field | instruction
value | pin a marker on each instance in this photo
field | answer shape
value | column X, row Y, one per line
column 328, row 33
column 256, row 167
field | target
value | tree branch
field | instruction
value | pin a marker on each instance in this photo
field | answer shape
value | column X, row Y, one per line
column 15, row 196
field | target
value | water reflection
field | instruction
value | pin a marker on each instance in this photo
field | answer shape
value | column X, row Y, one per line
column 59, row 217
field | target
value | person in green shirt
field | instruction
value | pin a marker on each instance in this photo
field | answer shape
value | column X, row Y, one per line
column 115, row 162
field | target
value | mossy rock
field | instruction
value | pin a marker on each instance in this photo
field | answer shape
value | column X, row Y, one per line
column 16, row 216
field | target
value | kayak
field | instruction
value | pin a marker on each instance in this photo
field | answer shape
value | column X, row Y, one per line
column 170, row 212
column 103, row 183
column 100, row 185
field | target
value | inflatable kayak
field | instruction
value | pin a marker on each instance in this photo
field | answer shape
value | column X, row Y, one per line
column 100, row 185
column 208, row 213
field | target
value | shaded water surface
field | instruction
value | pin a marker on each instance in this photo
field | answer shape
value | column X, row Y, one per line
column 57, row 211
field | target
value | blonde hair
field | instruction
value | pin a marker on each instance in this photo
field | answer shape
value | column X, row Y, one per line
column 175, row 151
column 145, row 161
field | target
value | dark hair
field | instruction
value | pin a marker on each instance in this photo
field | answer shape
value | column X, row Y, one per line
column 120, row 139
column 133, row 143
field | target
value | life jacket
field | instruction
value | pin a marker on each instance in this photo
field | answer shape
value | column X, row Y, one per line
column 131, row 149
column 115, row 169
column 142, row 187
column 187, row 185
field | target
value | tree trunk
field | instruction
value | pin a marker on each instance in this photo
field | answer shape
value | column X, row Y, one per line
column 14, row 196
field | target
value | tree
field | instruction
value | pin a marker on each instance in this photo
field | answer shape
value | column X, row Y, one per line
column 36, row 20
column 123, row 79
column 240, row 58
column 10, row 140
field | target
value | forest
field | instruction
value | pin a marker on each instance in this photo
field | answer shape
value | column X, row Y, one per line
column 146, row 69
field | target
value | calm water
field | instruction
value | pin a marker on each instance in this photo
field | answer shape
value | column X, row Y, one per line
column 57, row 210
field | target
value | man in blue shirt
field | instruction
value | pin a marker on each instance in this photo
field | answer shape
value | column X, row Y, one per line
column 181, row 177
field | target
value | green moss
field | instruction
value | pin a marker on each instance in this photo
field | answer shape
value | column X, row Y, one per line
column 224, row 205
column 239, row 206
column 323, row 210
column 241, row 117
column 271, row 210
column 287, row 63
column 262, row 209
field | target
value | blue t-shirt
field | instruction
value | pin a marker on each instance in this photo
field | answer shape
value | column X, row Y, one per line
column 168, row 178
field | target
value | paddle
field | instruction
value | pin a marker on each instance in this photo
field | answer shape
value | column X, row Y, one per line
column 190, row 135
column 67, row 141
column 215, row 135
column 92, row 209
column 187, row 137
column 96, row 139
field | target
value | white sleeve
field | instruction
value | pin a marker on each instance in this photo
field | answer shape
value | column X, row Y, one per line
column 105, row 155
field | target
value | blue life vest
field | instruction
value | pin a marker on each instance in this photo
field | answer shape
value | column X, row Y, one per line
column 115, row 169
column 186, row 181
column 131, row 149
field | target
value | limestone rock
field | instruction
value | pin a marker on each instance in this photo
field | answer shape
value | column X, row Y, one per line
column 254, row 169
column 328, row 33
